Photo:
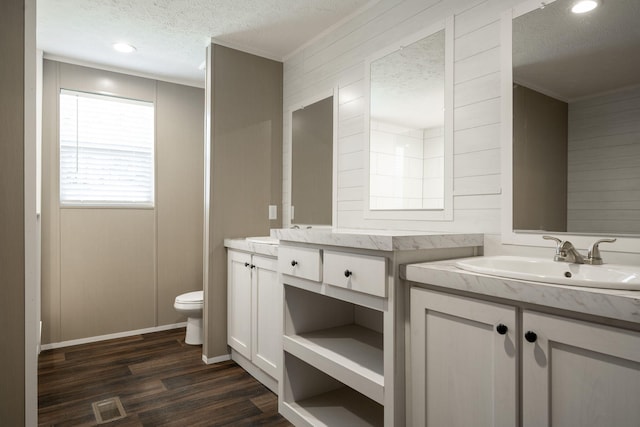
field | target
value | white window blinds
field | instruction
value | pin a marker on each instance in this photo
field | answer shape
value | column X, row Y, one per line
column 106, row 150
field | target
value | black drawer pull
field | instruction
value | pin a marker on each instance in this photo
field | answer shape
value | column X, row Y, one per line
column 531, row 336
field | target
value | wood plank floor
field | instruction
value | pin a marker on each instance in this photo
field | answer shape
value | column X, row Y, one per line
column 160, row 381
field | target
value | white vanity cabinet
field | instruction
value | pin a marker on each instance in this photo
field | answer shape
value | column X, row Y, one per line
column 333, row 371
column 344, row 323
column 254, row 314
column 239, row 302
column 465, row 353
column 464, row 364
column 578, row 373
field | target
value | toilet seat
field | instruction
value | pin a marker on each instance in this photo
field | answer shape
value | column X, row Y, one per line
column 190, row 300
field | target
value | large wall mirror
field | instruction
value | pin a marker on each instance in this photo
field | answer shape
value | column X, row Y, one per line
column 312, row 158
column 409, row 154
column 574, row 127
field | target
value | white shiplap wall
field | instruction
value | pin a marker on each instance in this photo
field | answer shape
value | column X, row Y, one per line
column 337, row 61
column 604, row 152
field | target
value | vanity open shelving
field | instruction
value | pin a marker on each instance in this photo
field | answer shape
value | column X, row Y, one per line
column 338, row 344
column 315, row 398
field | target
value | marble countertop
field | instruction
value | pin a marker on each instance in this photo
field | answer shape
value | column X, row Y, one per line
column 382, row 240
column 242, row 244
column 611, row 303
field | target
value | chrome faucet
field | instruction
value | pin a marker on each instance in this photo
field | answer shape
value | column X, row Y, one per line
column 566, row 252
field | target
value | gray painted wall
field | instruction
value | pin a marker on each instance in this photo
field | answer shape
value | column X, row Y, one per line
column 12, row 227
column 245, row 114
column 114, row 270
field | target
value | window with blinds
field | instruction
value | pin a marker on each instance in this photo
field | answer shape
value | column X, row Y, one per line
column 106, row 150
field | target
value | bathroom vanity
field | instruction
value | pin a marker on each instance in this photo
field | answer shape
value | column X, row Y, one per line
column 343, row 344
column 254, row 308
column 524, row 353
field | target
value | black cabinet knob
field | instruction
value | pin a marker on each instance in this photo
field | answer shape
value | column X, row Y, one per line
column 252, row 266
column 530, row 336
column 502, row 329
column 246, row 264
column 347, row 273
column 294, row 263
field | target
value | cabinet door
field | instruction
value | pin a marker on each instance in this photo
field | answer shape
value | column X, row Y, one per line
column 579, row 374
column 267, row 326
column 463, row 366
column 239, row 301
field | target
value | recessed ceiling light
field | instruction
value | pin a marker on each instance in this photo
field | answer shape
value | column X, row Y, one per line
column 124, row 47
column 584, row 6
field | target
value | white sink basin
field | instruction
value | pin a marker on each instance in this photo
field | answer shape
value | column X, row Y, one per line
column 610, row 276
column 265, row 240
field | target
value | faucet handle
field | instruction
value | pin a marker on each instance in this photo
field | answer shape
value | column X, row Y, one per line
column 555, row 239
column 594, row 252
column 559, row 256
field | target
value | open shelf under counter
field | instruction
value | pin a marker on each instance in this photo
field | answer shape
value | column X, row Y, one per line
column 341, row 407
column 352, row 353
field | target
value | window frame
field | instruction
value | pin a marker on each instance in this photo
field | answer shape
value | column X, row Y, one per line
column 105, row 204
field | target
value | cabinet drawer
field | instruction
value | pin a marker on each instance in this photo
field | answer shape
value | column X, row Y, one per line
column 362, row 273
column 300, row 262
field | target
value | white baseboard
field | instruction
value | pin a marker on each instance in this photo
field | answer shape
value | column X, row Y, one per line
column 217, row 359
column 112, row 336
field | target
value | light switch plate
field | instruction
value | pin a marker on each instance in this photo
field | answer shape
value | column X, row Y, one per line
column 273, row 212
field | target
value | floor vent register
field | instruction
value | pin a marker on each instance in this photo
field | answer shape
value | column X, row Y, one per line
column 108, row 410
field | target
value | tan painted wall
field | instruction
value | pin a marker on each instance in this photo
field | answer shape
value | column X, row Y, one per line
column 540, row 139
column 116, row 270
column 179, row 194
column 12, row 227
column 246, row 167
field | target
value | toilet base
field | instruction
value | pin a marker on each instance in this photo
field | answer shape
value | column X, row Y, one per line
column 194, row 331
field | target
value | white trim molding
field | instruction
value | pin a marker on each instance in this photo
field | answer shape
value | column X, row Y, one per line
column 113, row 336
column 445, row 214
column 217, row 359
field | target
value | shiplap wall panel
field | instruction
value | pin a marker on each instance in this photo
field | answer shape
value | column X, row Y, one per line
column 484, row 39
column 476, row 90
column 476, row 139
column 603, row 181
column 351, row 143
column 478, row 65
column 349, row 194
column 478, row 185
column 338, row 59
column 479, row 114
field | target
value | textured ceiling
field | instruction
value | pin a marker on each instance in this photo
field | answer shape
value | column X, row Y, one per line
column 571, row 56
column 171, row 35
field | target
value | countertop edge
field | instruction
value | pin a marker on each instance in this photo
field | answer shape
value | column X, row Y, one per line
column 246, row 246
column 382, row 242
column 610, row 303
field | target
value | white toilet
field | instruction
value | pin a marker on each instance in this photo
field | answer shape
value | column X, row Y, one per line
column 190, row 305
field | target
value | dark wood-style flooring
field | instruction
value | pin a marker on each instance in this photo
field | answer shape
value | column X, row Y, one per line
column 160, row 381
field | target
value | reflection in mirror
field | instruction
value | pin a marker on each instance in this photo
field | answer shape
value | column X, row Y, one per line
column 576, row 119
column 312, row 163
column 406, row 128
